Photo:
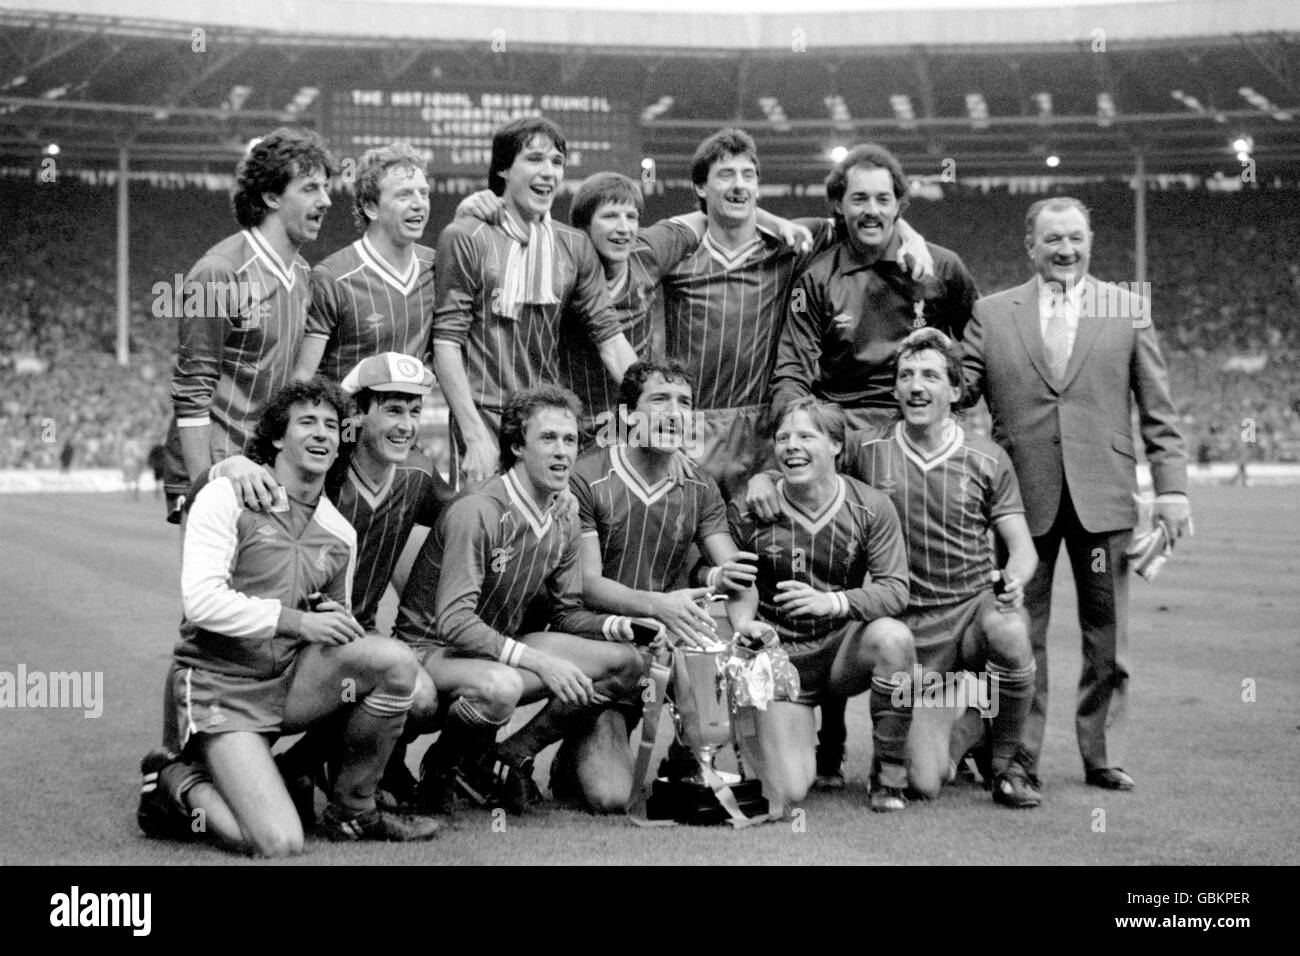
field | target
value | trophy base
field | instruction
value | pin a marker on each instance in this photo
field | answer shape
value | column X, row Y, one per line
column 690, row 802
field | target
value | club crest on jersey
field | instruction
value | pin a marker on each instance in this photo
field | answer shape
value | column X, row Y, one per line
column 918, row 307
column 322, row 562
column 500, row 558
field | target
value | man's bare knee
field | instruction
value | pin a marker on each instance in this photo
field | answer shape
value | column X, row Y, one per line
column 390, row 665
column 495, row 692
column 890, row 645
column 1007, row 638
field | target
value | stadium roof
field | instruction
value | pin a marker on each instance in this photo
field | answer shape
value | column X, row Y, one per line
column 996, row 89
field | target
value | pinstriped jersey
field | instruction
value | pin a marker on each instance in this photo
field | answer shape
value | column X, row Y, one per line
column 383, row 514
column 492, row 555
column 503, row 354
column 851, row 545
column 658, row 248
column 246, row 576
column 724, row 311
column 947, row 500
column 239, row 349
column 364, row 306
column 645, row 530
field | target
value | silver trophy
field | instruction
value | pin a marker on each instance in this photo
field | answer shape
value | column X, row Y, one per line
column 701, row 712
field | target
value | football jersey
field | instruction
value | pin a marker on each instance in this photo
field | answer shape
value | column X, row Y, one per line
column 658, row 248
column 724, row 311
column 947, row 501
column 363, row 306
column 645, row 530
column 503, row 354
column 852, row 545
column 492, row 553
column 239, row 337
column 383, row 515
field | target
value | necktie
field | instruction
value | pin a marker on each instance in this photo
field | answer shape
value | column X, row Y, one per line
column 1056, row 340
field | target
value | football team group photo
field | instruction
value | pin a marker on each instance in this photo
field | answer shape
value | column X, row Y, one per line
column 576, row 511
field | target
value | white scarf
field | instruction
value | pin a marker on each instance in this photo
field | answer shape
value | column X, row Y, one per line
column 529, row 265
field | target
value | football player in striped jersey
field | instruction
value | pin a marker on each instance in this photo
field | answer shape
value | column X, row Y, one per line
column 375, row 295
column 725, row 303
column 832, row 575
column 502, row 550
column 608, row 207
column 638, row 526
column 245, row 306
column 501, row 290
column 951, row 489
column 386, row 491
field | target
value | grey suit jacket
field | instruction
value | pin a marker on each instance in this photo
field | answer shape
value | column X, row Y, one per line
column 1078, row 434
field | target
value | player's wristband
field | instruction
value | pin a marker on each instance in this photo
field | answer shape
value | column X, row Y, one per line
column 511, row 652
column 841, row 604
column 612, row 624
column 714, row 577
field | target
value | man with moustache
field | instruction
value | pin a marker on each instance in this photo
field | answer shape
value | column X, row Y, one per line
column 725, row 304
column 848, row 313
column 852, row 307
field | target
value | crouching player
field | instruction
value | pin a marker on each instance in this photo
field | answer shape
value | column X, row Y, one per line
column 638, row 525
column 950, row 489
column 832, row 570
column 269, row 646
column 500, row 550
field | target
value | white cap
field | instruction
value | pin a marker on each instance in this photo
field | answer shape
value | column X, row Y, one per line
column 389, row 372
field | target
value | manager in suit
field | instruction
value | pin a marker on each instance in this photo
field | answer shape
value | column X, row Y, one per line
column 1062, row 360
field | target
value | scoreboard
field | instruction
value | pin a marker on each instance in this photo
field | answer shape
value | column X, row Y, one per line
column 453, row 129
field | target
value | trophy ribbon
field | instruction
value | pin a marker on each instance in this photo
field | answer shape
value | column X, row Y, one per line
column 660, row 671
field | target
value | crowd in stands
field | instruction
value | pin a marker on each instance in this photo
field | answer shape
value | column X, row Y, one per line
column 1224, row 271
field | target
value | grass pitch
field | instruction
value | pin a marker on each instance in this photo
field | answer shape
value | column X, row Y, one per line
column 91, row 583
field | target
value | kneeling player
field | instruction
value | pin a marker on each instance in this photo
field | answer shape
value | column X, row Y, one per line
column 950, row 489
column 638, row 525
column 267, row 641
column 500, row 548
column 832, row 569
